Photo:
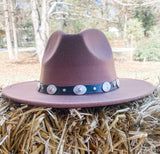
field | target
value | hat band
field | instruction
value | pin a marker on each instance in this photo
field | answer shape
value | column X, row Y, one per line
column 78, row 89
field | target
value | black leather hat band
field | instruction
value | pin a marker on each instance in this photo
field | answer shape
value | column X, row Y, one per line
column 78, row 89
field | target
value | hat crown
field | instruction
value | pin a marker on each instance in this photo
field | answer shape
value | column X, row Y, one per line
column 72, row 59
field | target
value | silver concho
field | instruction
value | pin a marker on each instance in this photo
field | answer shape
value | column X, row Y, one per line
column 51, row 89
column 118, row 83
column 106, row 87
column 80, row 89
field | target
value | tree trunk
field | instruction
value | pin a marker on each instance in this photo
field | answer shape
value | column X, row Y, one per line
column 41, row 27
column 125, row 26
column 36, row 24
column 45, row 23
column 8, row 30
column 14, row 30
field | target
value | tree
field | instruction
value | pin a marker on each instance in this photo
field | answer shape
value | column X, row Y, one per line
column 10, row 29
column 144, row 10
column 135, row 28
column 7, row 29
column 13, row 20
column 40, row 21
column 145, row 15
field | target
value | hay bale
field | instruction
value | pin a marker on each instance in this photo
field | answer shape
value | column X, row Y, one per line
column 119, row 129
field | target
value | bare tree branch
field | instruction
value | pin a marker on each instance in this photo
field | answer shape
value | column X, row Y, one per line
column 134, row 3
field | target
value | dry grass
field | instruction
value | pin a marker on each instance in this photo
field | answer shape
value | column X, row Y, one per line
column 120, row 129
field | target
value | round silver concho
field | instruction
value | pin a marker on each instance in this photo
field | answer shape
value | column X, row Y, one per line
column 51, row 89
column 106, row 87
column 80, row 89
column 118, row 83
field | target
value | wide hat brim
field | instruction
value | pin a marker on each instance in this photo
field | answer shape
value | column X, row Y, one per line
column 130, row 90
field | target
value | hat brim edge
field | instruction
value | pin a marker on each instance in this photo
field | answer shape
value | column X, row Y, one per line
column 27, row 92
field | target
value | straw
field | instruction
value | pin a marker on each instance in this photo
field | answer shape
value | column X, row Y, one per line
column 132, row 127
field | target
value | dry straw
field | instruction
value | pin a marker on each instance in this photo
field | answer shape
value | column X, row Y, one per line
column 119, row 129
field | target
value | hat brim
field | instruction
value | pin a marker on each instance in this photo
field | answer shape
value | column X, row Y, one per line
column 130, row 89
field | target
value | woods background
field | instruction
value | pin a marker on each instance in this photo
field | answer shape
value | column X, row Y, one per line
column 130, row 24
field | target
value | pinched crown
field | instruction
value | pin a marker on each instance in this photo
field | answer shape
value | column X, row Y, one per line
column 74, row 59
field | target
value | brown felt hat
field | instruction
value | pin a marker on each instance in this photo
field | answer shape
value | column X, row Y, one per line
column 78, row 71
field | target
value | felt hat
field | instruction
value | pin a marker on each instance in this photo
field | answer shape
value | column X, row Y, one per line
column 78, row 70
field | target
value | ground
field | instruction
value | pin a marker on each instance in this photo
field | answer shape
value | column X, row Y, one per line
column 28, row 68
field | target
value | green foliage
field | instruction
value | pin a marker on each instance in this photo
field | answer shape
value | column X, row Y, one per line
column 25, row 34
column 79, row 15
column 68, row 26
column 148, row 49
column 135, row 28
column 74, row 26
column 110, row 35
column 146, row 16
